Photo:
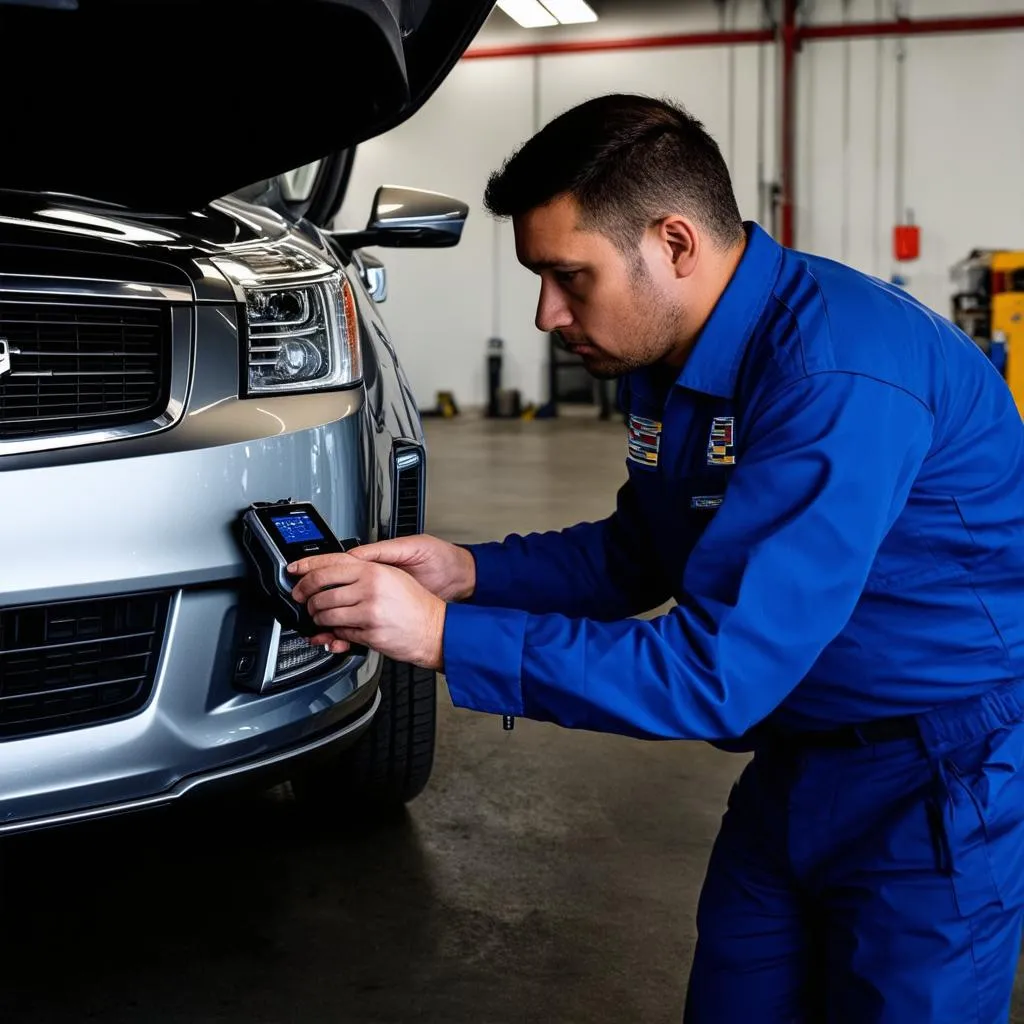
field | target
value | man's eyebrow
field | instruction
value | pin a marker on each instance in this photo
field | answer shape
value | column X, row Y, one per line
column 550, row 264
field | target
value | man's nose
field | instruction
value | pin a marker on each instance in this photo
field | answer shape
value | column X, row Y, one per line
column 553, row 313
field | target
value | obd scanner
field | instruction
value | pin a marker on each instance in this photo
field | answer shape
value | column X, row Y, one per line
column 276, row 533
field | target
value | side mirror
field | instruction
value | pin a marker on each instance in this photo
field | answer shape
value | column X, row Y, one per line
column 409, row 218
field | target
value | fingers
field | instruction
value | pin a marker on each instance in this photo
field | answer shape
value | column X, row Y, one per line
column 322, row 639
column 304, row 565
column 338, row 597
column 338, row 646
column 354, row 602
column 324, row 571
column 387, row 552
column 343, row 618
column 357, row 605
column 333, row 643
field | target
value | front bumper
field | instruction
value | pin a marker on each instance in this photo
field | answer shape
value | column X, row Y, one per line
column 343, row 733
column 163, row 522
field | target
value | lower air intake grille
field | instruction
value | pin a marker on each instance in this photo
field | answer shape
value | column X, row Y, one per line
column 296, row 658
column 85, row 366
column 408, row 489
column 79, row 663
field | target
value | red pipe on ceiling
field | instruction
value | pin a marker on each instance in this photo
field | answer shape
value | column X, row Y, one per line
column 914, row 27
column 791, row 36
column 644, row 43
column 850, row 30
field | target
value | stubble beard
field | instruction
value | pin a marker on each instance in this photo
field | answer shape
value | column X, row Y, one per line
column 656, row 327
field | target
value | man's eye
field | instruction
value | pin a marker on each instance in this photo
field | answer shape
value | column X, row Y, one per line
column 566, row 276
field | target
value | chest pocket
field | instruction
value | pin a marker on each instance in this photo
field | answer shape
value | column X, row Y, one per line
column 701, row 474
column 704, row 492
column 681, row 481
column 698, row 496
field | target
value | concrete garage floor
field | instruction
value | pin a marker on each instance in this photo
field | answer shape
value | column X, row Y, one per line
column 544, row 876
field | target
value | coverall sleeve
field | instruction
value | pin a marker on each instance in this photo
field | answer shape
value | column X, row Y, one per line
column 604, row 570
column 774, row 578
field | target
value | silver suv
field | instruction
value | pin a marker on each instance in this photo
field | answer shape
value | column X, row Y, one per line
column 168, row 357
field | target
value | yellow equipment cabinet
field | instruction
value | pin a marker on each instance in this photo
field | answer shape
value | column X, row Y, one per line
column 989, row 307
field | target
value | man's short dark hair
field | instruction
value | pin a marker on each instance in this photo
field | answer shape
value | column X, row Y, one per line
column 628, row 161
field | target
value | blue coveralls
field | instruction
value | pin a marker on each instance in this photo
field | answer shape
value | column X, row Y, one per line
column 832, row 490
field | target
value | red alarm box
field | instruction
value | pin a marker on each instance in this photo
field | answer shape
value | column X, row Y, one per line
column 906, row 242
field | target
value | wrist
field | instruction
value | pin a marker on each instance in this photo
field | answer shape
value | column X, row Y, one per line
column 465, row 576
column 434, row 656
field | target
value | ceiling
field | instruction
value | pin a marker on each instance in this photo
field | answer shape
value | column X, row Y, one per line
column 619, row 12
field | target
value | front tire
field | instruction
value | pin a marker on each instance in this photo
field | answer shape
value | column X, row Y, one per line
column 390, row 764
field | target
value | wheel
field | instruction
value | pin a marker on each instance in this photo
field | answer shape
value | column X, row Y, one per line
column 390, row 764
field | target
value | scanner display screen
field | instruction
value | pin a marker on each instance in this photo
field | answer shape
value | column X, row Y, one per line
column 297, row 529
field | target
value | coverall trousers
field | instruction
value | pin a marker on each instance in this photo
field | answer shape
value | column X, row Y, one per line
column 880, row 884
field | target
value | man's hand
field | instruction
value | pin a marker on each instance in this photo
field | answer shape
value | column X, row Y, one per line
column 371, row 604
column 442, row 568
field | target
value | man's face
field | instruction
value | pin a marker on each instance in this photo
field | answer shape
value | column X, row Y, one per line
column 618, row 314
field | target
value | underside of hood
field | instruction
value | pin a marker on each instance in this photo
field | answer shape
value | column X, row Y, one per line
column 169, row 104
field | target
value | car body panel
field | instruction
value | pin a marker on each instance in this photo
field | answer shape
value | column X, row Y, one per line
column 194, row 725
column 165, row 518
column 92, row 516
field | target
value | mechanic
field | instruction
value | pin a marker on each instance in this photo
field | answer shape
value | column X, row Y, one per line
column 828, row 479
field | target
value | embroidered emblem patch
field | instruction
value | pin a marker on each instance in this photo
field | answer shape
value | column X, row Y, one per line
column 706, row 500
column 721, row 450
column 644, row 440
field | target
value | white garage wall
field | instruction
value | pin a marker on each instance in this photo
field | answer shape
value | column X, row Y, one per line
column 963, row 142
column 442, row 305
column 962, row 150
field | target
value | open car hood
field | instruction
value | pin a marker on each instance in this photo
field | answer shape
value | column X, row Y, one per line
column 168, row 104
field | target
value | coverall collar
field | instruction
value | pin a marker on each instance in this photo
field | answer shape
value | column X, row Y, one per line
column 713, row 366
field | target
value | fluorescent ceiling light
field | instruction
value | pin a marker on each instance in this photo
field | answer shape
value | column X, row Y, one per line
column 571, row 12
column 528, row 13
column 534, row 14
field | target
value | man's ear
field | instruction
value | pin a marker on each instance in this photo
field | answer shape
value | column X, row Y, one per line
column 681, row 242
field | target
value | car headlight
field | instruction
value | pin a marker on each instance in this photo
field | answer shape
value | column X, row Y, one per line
column 302, row 335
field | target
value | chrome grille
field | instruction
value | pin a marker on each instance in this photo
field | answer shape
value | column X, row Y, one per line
column 78, row 663
column 81, row 366
column 408, row 489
